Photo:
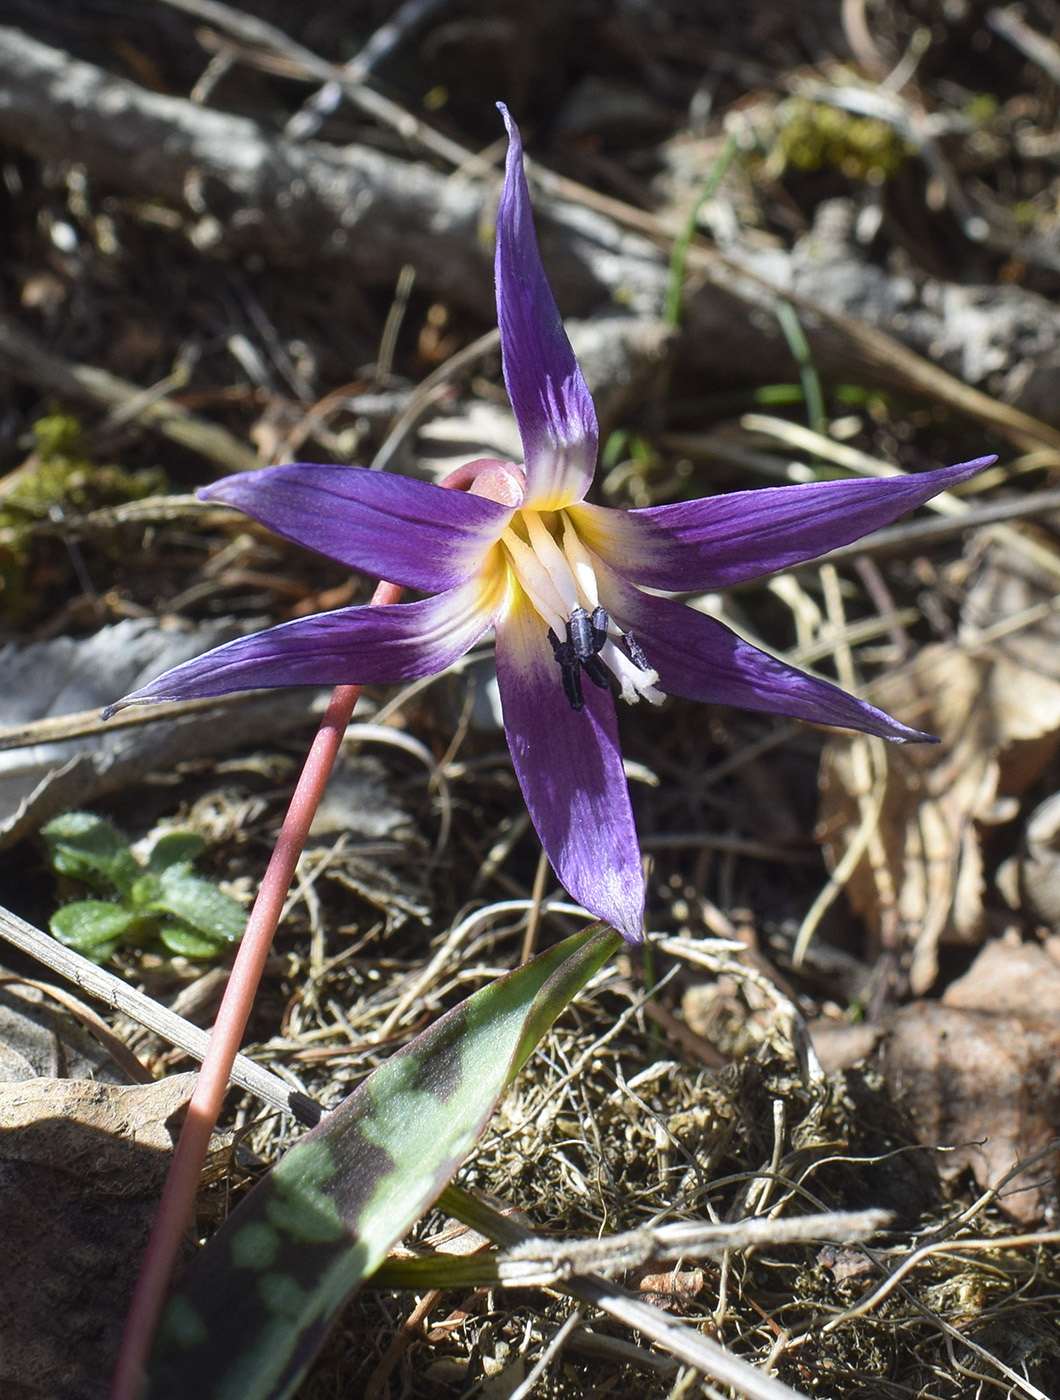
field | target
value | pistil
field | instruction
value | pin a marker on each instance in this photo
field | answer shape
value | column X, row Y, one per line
column 560, row 581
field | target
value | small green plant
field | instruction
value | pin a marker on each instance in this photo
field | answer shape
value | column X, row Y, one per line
column 160, row 899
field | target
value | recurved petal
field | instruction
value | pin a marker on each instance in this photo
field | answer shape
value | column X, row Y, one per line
column 725, row 539
column 350, row 646
column 699, row 657
column 552, row 406
column 408, row 532
column 569, row 767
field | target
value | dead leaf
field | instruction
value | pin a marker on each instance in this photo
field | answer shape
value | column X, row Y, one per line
column 980, row 1072
column 1031, row 880
column 38, row 1039
column 67, row 676
column 81, row 1171
column 1010, row 979
column 993, row 699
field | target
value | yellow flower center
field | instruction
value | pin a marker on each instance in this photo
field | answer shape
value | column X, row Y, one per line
column 549, row 561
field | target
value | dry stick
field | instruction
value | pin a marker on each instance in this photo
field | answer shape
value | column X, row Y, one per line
column 890, row 358
column 27, row 360
column 178, row 1195
column 52, row 100
column 105, row 987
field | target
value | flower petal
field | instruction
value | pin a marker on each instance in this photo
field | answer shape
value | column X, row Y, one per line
column 699, row 657
column 409, row 532
column 351, row 646
column 569, row 767
column 725, row 539
column 552, row 406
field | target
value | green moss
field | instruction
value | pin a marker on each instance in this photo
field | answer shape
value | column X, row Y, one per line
column 59, row 475
column 57, row 480
column 983, row 108
column 815, row 135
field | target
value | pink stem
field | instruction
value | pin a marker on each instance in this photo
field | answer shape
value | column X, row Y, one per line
column 178, row 1195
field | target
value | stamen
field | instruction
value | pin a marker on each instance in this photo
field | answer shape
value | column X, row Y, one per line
column 581, row 564
column 552, row 557
column 561, row 584
column 634, row 682
column 635, row 654
column 568, row 665
column 580, row 631
column 536, row 581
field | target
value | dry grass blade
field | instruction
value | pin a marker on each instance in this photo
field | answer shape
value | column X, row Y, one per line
column 87, row 722
column 147, row 1012
column 29, row 362
column 920, row 534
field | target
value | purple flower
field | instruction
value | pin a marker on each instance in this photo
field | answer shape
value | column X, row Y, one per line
column 561, row 581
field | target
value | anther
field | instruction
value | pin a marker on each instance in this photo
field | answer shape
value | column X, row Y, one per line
column 587, row 637
column 587, row 634
column 568, row 661
column 635, row 654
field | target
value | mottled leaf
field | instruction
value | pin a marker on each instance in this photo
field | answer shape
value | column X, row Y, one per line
column 258, row 1301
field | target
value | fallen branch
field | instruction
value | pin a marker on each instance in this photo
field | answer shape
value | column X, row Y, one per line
column 24, row 359
column 298, row 203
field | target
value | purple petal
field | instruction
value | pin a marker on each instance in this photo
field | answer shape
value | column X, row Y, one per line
column 699, row 657
column 351, row 646
column 725, row 539
column 569, row 767
column 409, row 532
column 552, row 406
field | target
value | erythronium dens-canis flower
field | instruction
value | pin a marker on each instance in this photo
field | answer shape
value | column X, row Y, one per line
column 561, row 581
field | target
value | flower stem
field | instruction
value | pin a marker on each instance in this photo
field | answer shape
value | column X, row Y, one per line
column 178, row 1196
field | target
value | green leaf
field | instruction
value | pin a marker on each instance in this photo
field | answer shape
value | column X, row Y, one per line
column 257, row 1302
column 144, row 891
column 196, row 902
column 93, row 926
column 189, row 944
column 87, row 847
column 174, row 848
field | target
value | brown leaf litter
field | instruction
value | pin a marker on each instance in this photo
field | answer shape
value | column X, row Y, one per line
column 979, row 1072
column 993, row 699
column 81, row 1170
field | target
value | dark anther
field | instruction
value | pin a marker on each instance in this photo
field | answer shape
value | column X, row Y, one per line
column 567, row 658
column 635, row 654
column 586, row 634
column 580, row 652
